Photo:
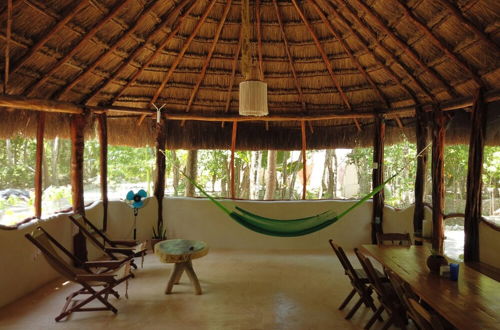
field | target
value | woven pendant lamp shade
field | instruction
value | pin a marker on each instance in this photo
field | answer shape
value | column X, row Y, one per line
column 253, row 98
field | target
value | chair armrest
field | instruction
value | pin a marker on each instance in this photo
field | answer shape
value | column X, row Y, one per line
column 124, row 242
column 96, row 277
column 104, row 263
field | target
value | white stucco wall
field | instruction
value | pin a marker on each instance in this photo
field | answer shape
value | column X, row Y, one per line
column 489, row 245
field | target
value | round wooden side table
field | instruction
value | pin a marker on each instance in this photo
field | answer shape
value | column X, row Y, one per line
column 181, row 252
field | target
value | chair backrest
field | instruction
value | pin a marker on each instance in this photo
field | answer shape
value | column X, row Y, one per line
column 340, row 256
column 371, row 272
column 99, row 232
column 47, row 244
column 77, row 219
column 394, row 238
column 349, row 269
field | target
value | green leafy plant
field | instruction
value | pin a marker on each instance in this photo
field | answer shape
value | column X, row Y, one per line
column 159, row 232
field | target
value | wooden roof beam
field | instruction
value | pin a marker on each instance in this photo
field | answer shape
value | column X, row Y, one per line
column 233, row 73
column 209, row 56
column 165, row 22
column 77, row 47
column 109, row 51
column 401, row 44
column 348, row 51
column 67, row 16
column 323, row 54
column 8, row 31
column 178, row 59
column 289, row 55
column 440, row 44
column 259, row 39
column 363, row 43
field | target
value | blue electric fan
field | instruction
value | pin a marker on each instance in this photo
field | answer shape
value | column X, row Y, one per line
column 136, row 201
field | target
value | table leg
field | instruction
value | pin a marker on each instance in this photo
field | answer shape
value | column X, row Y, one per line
column 176, row 273
column 192, row 276
column 178, row 276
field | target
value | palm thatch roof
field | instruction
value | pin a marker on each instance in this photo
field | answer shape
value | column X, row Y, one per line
column 334, row 63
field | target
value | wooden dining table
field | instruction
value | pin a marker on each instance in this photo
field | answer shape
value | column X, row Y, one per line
column 471, row 302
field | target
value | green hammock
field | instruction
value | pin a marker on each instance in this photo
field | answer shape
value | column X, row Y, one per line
column 286, row 228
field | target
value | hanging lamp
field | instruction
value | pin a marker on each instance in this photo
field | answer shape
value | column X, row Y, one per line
column 253, row 91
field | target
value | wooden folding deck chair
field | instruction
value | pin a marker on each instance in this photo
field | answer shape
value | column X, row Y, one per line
column 137, row 250
column 359, row 282
column 97, row 285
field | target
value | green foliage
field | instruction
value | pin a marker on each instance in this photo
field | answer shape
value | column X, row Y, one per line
column 159, row 232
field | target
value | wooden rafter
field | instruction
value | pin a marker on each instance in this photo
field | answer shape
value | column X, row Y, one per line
column 67, row 16
column 460, row 16
column 165, row 23
column 402, row 45
column 349, row 52
column 8, row 31
column 440, row 44
column 233, row 74
column 209, row 56
column 259, row 39
column 76, row 47
column 379, row 61
column 109, row 51
column 179, row 58
column 323, row 53
column 289, row 55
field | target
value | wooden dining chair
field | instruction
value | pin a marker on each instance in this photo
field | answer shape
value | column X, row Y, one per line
column 359, row 281
column 97, row 285
column 393, row 239
column 138, row 250
column 387, row 297
column 423, row 318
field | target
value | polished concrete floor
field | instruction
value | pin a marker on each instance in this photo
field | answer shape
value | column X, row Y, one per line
column 242, row 290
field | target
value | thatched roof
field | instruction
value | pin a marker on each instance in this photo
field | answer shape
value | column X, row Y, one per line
column 318, row 57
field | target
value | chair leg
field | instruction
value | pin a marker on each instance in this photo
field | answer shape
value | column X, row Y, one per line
column 347, row 299
column 374, row 317
column 354, row 309
column 388, row 323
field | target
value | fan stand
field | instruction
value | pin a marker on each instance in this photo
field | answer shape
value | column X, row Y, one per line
column 136, row 211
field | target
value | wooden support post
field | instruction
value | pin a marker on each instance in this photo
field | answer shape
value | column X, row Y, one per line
column 77, row 128
column 233, row 147
column 38, row 166
column 161, row 138
column 378, row 176
column 438, row 131
column 474, row 180
column 103, row 162
column 304, row 159
column 422, row 134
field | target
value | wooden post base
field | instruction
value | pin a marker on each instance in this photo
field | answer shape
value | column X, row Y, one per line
column 176, row 275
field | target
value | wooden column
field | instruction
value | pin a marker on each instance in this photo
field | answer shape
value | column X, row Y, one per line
column 38, row 166
column 233, row 147
column 161, row 138
column 422, row 135
column 103, row 152
column 77, row 149
column 378, row 176
column 438, row 131
column 304, row 158
column 474, row 180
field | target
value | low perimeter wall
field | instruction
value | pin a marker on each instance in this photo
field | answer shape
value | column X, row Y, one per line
column 193, row 218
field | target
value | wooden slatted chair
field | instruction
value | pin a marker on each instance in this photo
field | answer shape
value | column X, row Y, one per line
column 138, row 250
column 423, row 318
column 393, row 239
column 387, row 297
column 97, row 285
column 359, row 281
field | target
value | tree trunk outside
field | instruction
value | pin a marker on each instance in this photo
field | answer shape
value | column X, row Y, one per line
column 271, row 175
column 192, row 163
column 175, row 172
